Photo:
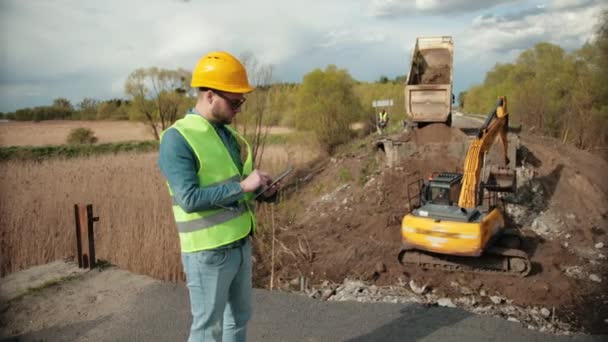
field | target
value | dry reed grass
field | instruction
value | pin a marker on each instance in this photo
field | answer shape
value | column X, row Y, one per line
column 135, row 231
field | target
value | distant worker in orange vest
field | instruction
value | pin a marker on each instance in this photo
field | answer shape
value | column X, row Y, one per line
column 382, row 121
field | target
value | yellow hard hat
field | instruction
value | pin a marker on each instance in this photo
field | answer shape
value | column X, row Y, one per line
column 220, row 70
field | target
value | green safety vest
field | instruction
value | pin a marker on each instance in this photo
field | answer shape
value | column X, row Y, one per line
column 208, row 229
column 383, row 116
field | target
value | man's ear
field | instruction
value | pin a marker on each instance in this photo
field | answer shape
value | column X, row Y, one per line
column 207, row 96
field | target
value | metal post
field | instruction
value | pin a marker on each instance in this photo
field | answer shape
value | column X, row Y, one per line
column 78, row 237
column 91, row 234
column 85, row 235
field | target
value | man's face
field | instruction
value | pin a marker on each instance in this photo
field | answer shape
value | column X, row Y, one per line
column 226, row 106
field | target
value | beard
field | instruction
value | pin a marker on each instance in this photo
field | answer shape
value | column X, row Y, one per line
column 221, row 117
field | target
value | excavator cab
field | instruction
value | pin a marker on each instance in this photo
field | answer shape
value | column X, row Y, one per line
column 443, row 188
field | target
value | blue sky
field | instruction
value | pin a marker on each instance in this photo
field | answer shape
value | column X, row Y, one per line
column 78, row 49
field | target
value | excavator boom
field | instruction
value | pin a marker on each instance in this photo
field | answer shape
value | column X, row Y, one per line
column 495, row 125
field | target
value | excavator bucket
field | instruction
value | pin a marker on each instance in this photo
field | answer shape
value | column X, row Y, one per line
column 501, row 179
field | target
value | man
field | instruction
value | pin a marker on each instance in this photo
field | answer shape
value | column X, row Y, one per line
column 210, row 187
column 382, row 121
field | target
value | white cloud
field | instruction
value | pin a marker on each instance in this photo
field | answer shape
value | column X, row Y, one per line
column 81, row 49
column 495, row 39
column 404, row 8
column 567, row 28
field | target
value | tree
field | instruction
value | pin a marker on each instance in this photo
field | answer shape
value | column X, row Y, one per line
column 88, row 108
column 159, row 95
column 112, row 109
column 554, row 93
column 257, row 105
column 327, row 105
column 63, row 104
column 401, row 79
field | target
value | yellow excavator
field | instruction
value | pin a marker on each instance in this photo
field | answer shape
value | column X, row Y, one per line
column 456, row 224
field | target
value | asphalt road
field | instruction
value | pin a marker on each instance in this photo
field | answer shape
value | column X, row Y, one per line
column 161, row 313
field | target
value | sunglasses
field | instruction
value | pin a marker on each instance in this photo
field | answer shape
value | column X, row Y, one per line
column 234, row 103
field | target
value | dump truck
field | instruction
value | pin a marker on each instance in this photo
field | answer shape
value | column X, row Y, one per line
column 428, row 89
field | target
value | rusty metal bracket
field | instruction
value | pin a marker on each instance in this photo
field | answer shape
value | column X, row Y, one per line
column 85, row 235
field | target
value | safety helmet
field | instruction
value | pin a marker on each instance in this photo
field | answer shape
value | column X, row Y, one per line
column 220, row 70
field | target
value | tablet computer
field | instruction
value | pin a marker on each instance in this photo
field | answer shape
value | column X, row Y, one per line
column 275, row 181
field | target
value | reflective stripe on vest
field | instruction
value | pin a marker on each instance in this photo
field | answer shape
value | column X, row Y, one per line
column 213, row 228
column 220, row 216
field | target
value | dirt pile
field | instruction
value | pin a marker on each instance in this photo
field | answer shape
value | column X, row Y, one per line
column 437, row 75
column 434, row 133
column 345, row 223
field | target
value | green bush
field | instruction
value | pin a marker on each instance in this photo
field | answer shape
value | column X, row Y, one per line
column 81, row 135
column 327, row 105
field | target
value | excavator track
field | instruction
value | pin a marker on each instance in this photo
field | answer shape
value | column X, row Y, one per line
column 495, row 260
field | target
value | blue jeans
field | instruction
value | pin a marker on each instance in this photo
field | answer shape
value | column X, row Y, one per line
column 219, row 282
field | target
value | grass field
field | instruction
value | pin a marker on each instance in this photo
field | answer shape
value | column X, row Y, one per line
column 55, row 132
column 136, row 230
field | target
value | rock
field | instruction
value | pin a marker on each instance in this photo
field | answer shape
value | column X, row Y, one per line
column 574, row 272
column 509, row 309
column 465, row 290
column 417, row 289
column 467, row 301
column 595, row 278
column 517, row 212
column 586, row 252
column 599, row 245
column 295, row 281
column 546, row 225
column 513, row 319
column 545, row 312
column 446, row 302
column 483, row 293
column 496, row 299
column 327, row 293
column 567, row 236
column 313, row 293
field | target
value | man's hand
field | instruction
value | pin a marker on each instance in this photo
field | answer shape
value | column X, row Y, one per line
column 255, row 180
column 270, row 191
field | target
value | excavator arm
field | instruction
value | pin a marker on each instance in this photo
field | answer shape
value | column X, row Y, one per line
column 495, row 125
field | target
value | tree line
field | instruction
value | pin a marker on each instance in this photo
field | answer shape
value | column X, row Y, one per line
column 63, row 109
column 550, row 92
column 553, row 92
